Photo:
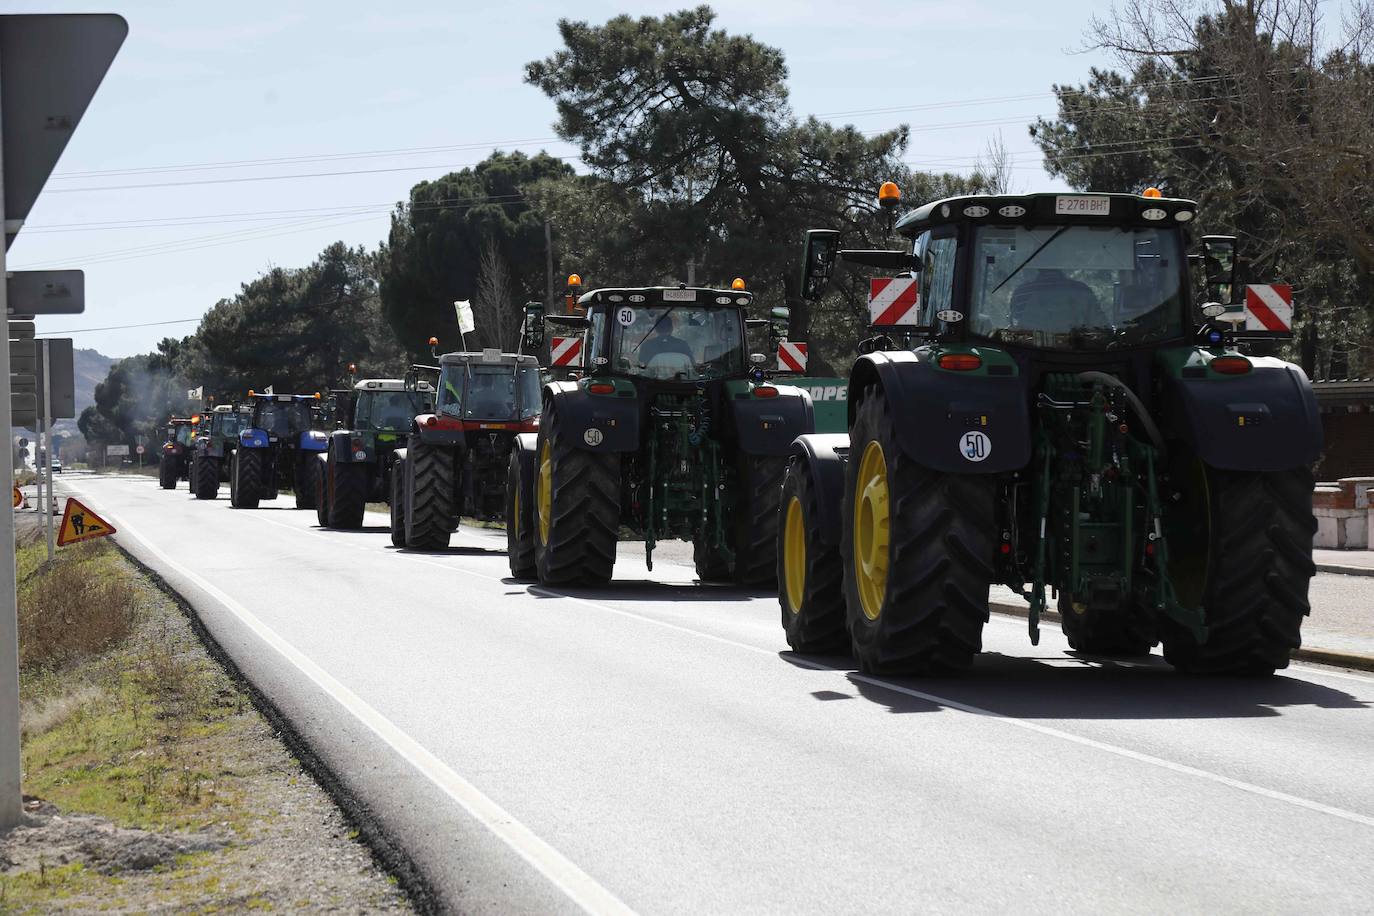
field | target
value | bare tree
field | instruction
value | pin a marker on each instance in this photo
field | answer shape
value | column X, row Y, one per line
column 493, row 305
column 992, row 172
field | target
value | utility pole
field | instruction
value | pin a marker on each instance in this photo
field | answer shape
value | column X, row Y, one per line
column 47, row 444
column 548, row 264
column 11, row 793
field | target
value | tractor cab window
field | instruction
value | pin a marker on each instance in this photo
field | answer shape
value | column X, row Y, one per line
column 531, row 393
column 678, row 342
column 474, row 391
column 283, row 418
column 230, row 424
column 183, row 434
column 1076, row 286
column 390, row 409
column 937, row 275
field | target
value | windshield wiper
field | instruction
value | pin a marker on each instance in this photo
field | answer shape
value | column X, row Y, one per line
column 651, row 329
column 1056, row 234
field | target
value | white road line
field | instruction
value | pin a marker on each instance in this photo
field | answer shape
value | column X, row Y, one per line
column 992, row 715
column 581, row 888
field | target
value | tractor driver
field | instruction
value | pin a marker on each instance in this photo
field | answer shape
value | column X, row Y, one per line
column 1051, row 301
column 663, row 339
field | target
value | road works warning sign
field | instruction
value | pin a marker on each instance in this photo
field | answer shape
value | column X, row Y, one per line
column 79, row 523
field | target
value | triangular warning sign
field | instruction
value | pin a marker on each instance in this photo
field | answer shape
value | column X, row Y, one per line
column 79, row 523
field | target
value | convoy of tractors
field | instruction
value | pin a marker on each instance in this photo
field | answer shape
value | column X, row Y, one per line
column 1062, row 394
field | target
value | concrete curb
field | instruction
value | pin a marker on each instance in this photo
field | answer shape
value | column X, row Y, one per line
column 1345, row 570
column 1357, row 660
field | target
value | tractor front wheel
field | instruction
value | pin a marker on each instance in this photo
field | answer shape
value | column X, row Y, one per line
column 918, row 548
column 1241, row 548
column 322, row 491
column 519, row 522
column 245, row 482
column 810, row 572
column 307, row 470
column 398, row 503
column 167, row 472
column 756, row 520
column 206, row 476
column 429, row 504
column 577, row 509
column 347, row 494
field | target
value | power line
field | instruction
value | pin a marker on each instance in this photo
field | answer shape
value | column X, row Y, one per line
column 118, row 327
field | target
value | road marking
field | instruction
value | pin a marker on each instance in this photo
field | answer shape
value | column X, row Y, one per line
column 1012, row 721
column 580, row 887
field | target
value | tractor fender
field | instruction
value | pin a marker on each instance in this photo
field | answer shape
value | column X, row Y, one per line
column 341, row 447
column 253, row 438
column 940, row 412
column 825, row 455
column 614, row 419
column 767, row 426
column 439, row 430
column 1264, row 420
column 312, row 440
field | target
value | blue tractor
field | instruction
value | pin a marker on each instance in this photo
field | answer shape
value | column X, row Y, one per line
column 277, row 449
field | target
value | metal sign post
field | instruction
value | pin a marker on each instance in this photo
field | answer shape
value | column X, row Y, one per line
column 50, row 68
column 47, row 449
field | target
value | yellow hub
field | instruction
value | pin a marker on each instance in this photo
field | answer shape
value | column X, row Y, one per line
column 794, row 555
column 871, row 530
column 544, row 491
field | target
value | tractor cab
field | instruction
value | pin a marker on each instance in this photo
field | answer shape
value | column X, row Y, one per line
column 180, row 432
column 386, row 405
column 276, row 449
column 491, row 387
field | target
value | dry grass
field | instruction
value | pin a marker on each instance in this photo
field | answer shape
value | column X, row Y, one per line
column 80, row 604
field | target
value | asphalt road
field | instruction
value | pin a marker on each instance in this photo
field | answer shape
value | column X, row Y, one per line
column 652, row 746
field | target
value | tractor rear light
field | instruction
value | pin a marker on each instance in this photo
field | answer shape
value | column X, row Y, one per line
column 960, row 362
column 431, row 421
column 601, row 388
column 765, row 391
column 1231, row 365
column 357, row 445
column 1006, row 549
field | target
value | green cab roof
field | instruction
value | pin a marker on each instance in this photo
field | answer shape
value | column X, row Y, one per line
column 1088, row 209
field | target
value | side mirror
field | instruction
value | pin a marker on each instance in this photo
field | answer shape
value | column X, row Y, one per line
column 1219, row 268
column 818, row 260
column 532, row 333
column 779, row 322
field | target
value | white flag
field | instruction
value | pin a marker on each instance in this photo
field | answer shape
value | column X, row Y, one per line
column 267, row 390
column 465, row 323
column 195, row 394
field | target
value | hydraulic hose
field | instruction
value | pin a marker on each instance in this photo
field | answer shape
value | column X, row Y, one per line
column 1146, row 420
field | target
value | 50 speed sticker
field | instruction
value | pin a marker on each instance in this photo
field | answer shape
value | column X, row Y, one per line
column 975, row 446
column 625, row 315
column 592, row 436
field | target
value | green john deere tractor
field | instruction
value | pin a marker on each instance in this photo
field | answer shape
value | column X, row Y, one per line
column 374, row 419
column 1061, row 404
column 217, row 434
column 673, row 431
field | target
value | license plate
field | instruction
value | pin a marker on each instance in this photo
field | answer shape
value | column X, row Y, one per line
column 679, row 295
column 1083, row 206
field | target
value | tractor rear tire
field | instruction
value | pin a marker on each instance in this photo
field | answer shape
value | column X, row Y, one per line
column 307, row 471
column 322, row 491
column 519, row 524
column 206, row 476
column 398, row 503
column 348, row 495
column 167, row 472
column 756, row 520
column 430, row 492
column 809, row 571
column 1127, row 631
column 246, row 484
column 1258, row 536
column 916, row 576
column 577, row 509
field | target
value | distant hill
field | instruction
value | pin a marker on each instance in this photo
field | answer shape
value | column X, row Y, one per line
column 90, row 368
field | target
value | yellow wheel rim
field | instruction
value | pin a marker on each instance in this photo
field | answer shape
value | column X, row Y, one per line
column 544, row 496
column 513, row 523
column 871, row 530
column 794, row 555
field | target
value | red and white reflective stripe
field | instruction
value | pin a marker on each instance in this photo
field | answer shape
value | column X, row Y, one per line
column 1269, row 307
column 565, row 351
column 792, row 356
column 893, row 301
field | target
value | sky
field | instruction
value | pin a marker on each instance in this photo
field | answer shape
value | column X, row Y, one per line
column 229, row 138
